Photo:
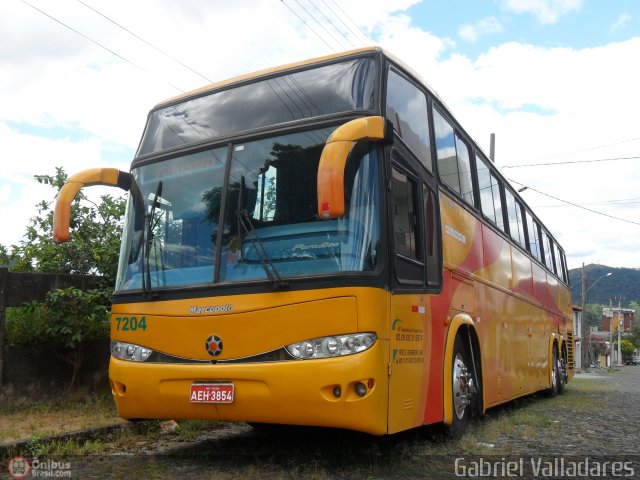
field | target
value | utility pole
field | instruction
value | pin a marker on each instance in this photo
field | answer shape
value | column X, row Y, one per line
column 620, row 324
column 583, row 338
column 610, row 333
column 492, row 148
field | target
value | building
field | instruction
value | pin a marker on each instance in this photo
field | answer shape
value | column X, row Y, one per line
column 611, row 318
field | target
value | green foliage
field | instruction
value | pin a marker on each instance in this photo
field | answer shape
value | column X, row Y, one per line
column 22, row 327
column 74, row 316
column 626, row 348
column 69, row 317
column 634, row 334
column 623, row 282
column 592, row 315
column 95, row 232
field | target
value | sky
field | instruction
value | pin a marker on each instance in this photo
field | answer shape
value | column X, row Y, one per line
column 555, row 80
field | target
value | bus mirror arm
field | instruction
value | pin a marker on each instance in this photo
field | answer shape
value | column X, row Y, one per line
column 335, row 155
column 111, row 177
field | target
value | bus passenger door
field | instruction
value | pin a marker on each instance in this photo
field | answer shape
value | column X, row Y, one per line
column 410, row 337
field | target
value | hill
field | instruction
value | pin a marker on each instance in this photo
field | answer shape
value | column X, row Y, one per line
column 623, row 282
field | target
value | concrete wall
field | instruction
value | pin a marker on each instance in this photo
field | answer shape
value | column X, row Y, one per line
column 39, row 371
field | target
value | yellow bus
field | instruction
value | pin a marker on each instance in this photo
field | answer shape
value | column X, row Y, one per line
column 323, row 244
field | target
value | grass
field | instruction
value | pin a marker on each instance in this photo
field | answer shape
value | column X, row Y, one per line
column 41, row 419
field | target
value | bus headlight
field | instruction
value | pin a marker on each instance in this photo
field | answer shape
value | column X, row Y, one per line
column 129, row 351
column 325, row 347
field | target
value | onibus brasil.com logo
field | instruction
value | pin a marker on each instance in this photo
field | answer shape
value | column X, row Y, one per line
column 22, row 467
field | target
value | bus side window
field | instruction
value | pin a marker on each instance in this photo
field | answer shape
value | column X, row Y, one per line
column 454, row 162
column 559, row 265
column 404, row 215
column 546, row 249
column 489, row 187
column 533, row 230
column 407, row 110
column 514, row 212
column 407, row 229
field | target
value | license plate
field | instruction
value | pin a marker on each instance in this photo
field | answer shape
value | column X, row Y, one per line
column 211, row 393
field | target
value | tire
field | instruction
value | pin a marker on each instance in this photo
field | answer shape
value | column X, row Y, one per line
column 462, row 389
column 552, row 391
column 562, row 372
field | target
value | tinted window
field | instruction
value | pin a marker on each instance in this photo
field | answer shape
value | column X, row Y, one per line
column 404, row 215
column 489, row 193
column 559, row 263
column 407, row 110
column 340, row 87
column 454, row 164
column 514, row 212
column 546, row 248
column 446, row 151
column 464, row 171
column 534, row 236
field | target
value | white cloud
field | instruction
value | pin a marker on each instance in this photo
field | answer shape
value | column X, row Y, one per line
column 484, row 26
column 622, row 20
column 546, row 102
column 541, row 102
column 546, row 11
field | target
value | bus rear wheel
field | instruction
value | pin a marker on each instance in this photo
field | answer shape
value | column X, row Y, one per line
column 552, row 391
column 562, row 372
column 462, row 389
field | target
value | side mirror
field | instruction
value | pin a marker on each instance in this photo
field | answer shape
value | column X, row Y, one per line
column 111, row 177
column 335, row 155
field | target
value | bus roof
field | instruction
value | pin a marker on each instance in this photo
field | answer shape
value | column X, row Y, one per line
column 311, row 61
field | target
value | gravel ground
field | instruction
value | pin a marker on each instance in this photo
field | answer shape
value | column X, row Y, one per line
column 597, row 419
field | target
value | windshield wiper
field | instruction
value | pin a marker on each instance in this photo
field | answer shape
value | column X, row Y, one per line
column 267, row 264
column 244, row 223
column 148, row 242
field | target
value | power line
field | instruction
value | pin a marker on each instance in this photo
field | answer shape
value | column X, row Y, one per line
column 99, row 44
column 318, row 22
column 570, row 162
column 589, row 149
column 146, row 42
column 342, row 21
column 333, row 25
column 574, row 204
column 610, row 203
column 367, row 41
column 308, row 26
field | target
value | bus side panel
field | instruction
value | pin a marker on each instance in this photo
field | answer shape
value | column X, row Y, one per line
column 409, row 366
column 462, row 248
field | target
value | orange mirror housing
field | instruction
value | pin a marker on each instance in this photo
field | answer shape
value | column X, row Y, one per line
column 95, row 176
column 334, row 159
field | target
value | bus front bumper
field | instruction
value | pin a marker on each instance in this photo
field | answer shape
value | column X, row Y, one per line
column 296, row 392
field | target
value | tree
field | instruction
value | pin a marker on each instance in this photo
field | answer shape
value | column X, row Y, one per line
column 634, row 335
column 597, row 346
column 95, row 232
column 69, row 317
column 626, row 348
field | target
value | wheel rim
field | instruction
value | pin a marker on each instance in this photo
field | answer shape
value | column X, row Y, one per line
column 554, row 372
column 462, row 382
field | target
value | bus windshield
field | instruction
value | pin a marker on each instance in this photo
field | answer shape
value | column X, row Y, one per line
column 187, row 224
column 336, row 88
